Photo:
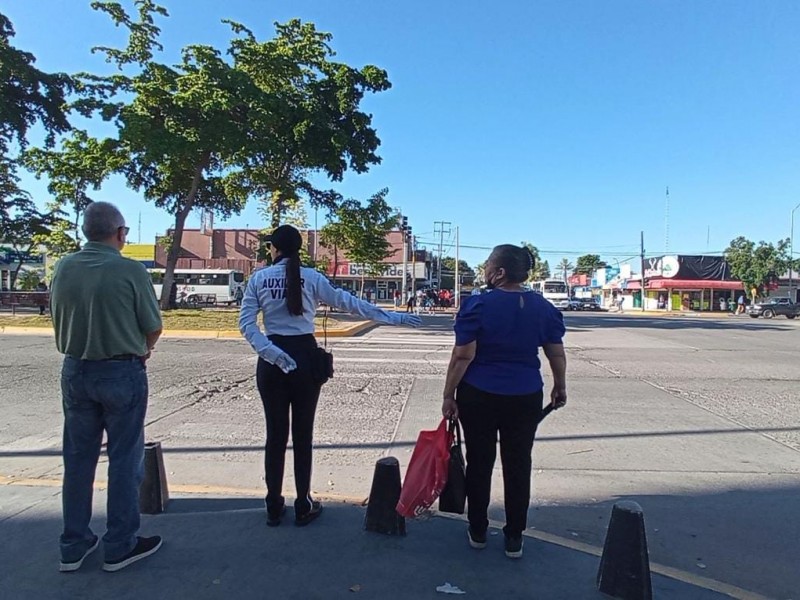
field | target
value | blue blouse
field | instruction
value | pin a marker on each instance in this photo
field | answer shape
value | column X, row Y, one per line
column 509, row 328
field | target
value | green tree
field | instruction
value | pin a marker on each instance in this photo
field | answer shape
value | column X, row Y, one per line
column 756, row 266
column 465, row 273
column 28, row 279
column 544, row 270
column 361, row 232
column 541, row 269
column 57, row 240
column 27, row 95
column 565, row 268
column 82, row 164
column 211, row 131
column 22, row 225
column 588, row 264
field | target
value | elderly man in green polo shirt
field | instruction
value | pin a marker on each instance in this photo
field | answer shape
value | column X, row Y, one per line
column 106, row 321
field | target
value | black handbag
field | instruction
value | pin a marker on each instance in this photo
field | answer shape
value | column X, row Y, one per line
column 322, row 366
column 454, row 495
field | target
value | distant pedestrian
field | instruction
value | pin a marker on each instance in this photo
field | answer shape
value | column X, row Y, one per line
column 238, row 295
column 41, row 287
column 731, row 305
column 397, row 298
column 620, row 302
column 291, row 370
column 492, row 395
column 369, row 296
column 740, row 307
column 106, row 321
column 410, row 301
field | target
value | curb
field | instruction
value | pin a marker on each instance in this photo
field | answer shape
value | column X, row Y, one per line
column 356, row 329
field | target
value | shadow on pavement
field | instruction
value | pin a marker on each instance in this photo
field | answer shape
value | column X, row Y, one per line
column 744, row 537
column 234, row 555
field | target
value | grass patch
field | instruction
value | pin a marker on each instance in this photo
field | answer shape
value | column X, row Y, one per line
column 202, row 320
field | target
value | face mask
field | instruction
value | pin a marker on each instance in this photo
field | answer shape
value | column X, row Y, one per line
column 491, row 283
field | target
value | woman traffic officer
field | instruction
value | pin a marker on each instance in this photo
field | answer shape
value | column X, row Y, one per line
column 289, row 375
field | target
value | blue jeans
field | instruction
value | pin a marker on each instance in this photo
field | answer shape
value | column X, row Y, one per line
column 108, row 395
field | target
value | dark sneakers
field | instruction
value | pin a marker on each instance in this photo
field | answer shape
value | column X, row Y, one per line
column 69, row 567
column 306, row 518
column 476, row 540
column 144, row 548
column 274, row 517
column 514, row 546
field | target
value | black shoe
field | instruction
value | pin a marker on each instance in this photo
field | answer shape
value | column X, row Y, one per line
column 274, row 517
column 306, row 518
column 68, row 567
column 476, row 540
column 514, row 546
column 144, row 547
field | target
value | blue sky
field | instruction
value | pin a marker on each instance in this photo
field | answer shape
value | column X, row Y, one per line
column 559, row 122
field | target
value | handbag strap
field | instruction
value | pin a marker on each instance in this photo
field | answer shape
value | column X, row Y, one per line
column 454, row 427
column 325, row 327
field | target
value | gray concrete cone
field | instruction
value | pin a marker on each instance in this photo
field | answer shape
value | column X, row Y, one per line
column 625, row 566
column 382, row 517
column 153, row 493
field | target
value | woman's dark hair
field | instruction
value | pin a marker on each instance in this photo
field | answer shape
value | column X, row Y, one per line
column 517, row 261
column 288, row 241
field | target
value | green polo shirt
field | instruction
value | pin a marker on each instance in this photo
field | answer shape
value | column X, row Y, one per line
column 103, row 304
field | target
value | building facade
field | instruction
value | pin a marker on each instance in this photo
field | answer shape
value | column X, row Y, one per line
column 238, row 249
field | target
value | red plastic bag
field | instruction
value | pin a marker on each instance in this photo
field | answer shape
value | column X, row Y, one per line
column 426, row 475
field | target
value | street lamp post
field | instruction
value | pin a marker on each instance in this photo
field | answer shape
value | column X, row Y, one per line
column 792, row 295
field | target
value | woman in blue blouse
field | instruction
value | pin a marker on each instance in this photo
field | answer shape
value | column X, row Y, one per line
column 494, row 385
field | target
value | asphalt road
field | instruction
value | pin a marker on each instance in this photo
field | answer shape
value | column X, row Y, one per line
column 696, row 419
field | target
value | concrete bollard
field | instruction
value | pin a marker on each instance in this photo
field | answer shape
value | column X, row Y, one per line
column 382, row 517
column 625, row 566
column 153, row 493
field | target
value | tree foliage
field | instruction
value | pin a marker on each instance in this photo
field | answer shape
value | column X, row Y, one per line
column 20, row 226
column 757, row 266
column 360, row 231
column 588, row 264
column 541, row 269
column 217, row 129
column 465, row 273
column 27, row 95
column 564, row 268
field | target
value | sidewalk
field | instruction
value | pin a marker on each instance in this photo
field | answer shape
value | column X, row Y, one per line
column 218, row 547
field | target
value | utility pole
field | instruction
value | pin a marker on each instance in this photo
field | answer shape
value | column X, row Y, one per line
column 457, row 291
column 140, row 227
column 666, row 224
column 442, row 228
column 792, row 294
column 642, row 267
column 404, row 232
column 414, row 266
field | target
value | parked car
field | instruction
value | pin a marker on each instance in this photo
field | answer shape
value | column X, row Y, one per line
column 772, row 307
column 575, row 304
column 590, row 304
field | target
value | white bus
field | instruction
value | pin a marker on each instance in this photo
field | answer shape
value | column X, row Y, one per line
column 554, row 290
column 196, row 285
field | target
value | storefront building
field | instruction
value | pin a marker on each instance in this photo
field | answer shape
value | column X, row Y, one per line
column 689, row 283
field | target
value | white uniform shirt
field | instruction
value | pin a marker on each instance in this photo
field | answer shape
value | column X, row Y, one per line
column 266, row 293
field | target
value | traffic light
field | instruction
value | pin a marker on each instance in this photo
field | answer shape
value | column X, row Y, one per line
column 404, row 225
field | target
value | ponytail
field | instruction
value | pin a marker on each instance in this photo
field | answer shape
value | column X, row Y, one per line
column 294, row 289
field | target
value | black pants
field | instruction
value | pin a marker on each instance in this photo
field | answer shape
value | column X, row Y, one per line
column 280, row 393
column 483, row 416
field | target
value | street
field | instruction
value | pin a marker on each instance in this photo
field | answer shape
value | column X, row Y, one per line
column 697, row 419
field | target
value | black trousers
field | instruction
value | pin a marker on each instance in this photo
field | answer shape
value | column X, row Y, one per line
column 296, row 393
column 483, row 416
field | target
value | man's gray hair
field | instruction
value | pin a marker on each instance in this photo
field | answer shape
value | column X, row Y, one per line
column 101, row 220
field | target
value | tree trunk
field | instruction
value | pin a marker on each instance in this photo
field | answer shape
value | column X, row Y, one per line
column 177, row 236
column 15, row 275
column 335, row 263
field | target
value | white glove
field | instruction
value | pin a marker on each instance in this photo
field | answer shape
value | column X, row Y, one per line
column 408, row 319
column 285, row 363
